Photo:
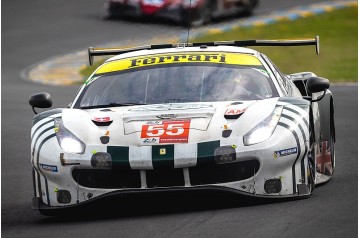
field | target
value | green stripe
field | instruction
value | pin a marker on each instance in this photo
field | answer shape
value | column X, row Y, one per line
column 206, row 152
column 119, row 156
column 161, row 160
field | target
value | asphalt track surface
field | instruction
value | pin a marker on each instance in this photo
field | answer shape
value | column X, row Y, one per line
column 35, row 30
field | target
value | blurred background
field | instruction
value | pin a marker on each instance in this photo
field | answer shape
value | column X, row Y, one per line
column 43, row 48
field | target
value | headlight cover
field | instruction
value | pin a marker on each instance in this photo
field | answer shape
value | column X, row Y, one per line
column 67, row 140
column 264, row 129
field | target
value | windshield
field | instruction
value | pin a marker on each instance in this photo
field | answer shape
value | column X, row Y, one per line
column 178, row 83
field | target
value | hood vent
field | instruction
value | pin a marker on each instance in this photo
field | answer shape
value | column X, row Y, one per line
column 102, row 121
column 233, row 113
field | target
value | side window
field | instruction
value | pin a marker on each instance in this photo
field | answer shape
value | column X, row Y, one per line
column 283, row 82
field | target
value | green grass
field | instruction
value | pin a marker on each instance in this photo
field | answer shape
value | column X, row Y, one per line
column 87, row 71
column 338, row 31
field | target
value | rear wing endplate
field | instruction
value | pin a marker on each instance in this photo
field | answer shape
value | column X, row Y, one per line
column 241, row 43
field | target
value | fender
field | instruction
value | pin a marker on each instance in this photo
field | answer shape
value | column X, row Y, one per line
column 46, row 114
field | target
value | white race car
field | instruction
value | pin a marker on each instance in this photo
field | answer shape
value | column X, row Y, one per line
column 184, row 117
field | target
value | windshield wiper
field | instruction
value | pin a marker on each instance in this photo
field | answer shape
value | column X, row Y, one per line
column 113, row 105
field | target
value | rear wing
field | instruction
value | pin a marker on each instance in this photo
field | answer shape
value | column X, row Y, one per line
column 241, row 43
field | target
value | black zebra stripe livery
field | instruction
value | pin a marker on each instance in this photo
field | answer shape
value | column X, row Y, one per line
column 38, row 166
column 298, row 154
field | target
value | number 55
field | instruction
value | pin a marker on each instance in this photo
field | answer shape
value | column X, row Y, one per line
column 175, row 129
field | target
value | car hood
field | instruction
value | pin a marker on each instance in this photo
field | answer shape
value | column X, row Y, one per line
column 199, row 114
column 167, row 123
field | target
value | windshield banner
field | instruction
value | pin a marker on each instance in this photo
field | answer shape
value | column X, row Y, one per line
column 189, row 57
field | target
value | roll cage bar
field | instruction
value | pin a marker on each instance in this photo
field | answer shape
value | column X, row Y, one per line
column 241, row 43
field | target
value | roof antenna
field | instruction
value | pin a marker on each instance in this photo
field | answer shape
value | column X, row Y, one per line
column 188, row 33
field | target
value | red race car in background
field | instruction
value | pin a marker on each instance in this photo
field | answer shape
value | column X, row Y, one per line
column 201, row 11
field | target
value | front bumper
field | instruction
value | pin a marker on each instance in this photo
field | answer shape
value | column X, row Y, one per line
column 106, row 202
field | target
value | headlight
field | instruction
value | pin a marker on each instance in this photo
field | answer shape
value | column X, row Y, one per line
column 67, row 140
column 265, row 129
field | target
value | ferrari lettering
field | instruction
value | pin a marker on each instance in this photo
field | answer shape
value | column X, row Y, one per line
column 213, row 58
column 180, row 58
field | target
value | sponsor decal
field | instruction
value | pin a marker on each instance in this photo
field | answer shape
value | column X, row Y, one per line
column 151, row 140
column 281, row 153
column 153, row 122
column 235, row 111
column 174, row 131
column 166, row 116
column 49, row 168
column 102, row 119
column 189, row 57
column 232, row 112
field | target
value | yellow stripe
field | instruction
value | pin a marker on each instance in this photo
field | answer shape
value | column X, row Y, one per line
column 173, row 58
column 259, row 23
column 214, row 31
column 280, row 18
column 329, row 8
column 306, row 13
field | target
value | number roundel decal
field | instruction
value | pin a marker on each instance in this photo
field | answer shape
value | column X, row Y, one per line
column 174, row 131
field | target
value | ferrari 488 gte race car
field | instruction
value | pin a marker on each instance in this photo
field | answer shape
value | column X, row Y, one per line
column 181, row 117
column 200, row 11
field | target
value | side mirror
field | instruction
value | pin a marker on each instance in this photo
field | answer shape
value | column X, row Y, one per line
column 317, row 84
column 40, row 100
